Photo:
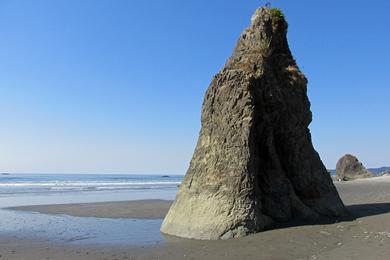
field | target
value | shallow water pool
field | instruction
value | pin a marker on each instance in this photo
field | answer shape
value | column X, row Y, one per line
column 80, row 230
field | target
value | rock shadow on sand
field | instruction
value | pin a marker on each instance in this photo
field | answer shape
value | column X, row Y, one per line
column 354, row 212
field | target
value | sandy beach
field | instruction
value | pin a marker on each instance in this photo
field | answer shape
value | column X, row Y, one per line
column 139, row 209
column 364, row 235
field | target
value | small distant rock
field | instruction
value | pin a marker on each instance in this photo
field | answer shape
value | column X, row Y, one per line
column 349, row 168
column 386, row 173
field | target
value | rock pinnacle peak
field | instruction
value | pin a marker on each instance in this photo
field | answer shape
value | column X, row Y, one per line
column 260, row 13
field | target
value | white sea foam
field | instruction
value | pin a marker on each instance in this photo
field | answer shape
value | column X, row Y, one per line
column 51, row 184
column 63, row 183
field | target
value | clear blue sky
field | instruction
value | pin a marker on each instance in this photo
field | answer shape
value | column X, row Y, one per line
column 116, row 86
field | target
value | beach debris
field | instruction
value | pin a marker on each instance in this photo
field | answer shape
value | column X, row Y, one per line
column 384, row 234
column 340, row 227
column 254, row 163
column 349, row 168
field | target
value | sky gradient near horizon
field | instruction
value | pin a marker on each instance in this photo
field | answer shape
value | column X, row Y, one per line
column 117, row 86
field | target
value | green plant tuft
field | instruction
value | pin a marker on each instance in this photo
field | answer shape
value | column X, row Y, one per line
column 277, row 13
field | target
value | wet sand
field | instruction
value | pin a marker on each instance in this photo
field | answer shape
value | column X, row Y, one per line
column 139, row 209
column 365, row 235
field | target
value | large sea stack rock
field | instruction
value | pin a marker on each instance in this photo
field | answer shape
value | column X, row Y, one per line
column 349, row 168
column 254, row 163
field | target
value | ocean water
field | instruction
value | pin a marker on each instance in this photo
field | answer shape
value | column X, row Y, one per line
column 12, row 184
column 33, row 189
column 40, row 189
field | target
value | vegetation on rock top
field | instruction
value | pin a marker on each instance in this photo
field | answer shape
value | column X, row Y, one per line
column 277, row 13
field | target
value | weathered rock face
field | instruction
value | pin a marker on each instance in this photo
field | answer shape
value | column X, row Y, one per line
column 349, row 168
column 254, row 162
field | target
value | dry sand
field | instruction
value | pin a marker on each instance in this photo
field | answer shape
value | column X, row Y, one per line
column 366, row 235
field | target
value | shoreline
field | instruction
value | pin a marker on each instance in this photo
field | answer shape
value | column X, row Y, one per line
column 365, row 236
column 132, row 209
column 158, row 208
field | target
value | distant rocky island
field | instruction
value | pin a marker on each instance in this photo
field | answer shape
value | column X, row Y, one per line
column 254, row 163
column 376, row 171
column 379, row 171
column 350, row 168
